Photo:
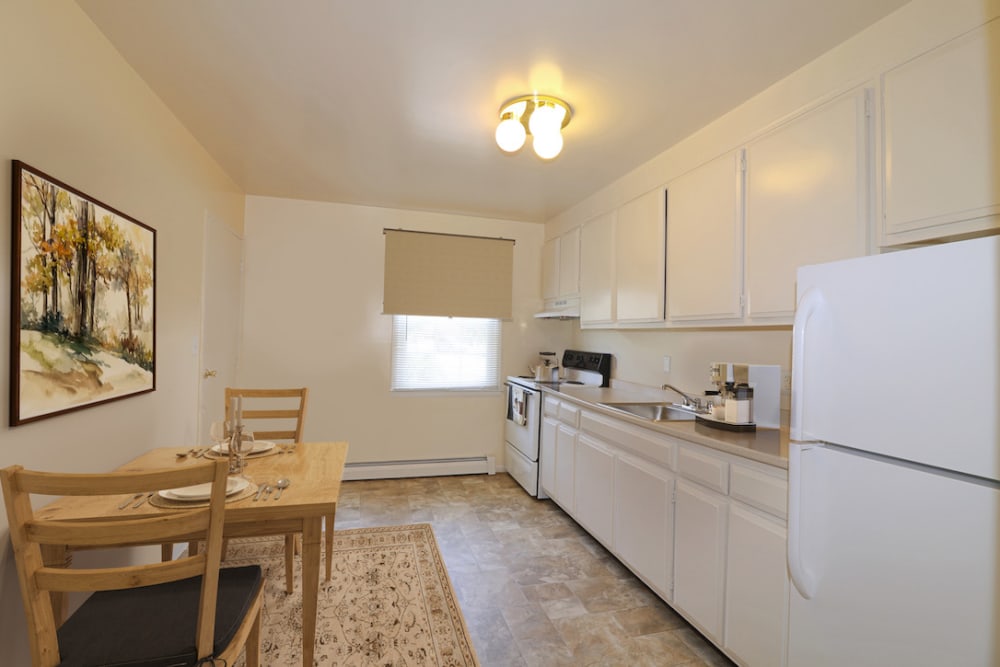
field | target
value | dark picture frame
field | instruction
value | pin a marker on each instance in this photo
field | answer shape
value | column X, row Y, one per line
column 83, row 300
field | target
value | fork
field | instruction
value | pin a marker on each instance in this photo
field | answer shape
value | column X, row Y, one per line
column 131, row 500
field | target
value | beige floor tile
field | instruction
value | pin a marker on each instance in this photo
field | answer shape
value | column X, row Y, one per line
column 536, row 590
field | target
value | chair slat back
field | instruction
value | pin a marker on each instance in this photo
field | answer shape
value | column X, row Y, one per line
column 110, row 533
column 281, row 413
column 29, row 532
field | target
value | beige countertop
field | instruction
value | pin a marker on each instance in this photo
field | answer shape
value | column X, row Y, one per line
column 764, row 445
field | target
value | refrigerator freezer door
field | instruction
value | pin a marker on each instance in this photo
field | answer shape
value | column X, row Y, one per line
column 898, row 354
column 903, row 565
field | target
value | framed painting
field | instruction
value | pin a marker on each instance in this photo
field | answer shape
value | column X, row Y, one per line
column 83, row 300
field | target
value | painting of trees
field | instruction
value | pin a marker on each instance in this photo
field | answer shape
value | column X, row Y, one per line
column 85, row 320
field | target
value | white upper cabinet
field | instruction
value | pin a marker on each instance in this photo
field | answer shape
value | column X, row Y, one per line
column 561, row 266
column 941, row 140
column 597, row 270
column 569, row 263
column 807, row 201
column 550, row 268
column 622, row 272
column 639, row 259
column 705, row 243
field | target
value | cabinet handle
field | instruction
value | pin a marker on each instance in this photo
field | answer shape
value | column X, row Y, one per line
column 209, row 374
column 801, row 577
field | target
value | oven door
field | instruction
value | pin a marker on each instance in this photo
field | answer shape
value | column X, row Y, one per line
column 523, row 406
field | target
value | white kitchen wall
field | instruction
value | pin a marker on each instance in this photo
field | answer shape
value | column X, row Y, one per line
column 913, row 29
column 639, row 354
column 71, row 107
column 313, row 317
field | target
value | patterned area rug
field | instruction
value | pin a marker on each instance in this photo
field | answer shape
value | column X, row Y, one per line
column 389, row 602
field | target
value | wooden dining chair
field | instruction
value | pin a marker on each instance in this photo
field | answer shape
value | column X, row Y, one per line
column 180, row 612
column 278, row 414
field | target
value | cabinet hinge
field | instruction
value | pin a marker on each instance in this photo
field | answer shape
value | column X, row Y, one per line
column 743, row 162
column 868, row 106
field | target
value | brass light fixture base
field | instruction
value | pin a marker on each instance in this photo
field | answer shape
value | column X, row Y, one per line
column 531, row 102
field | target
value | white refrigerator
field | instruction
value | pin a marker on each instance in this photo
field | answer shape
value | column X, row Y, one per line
column 894, row 500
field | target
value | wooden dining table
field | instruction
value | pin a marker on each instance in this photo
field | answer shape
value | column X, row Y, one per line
column 315, row 470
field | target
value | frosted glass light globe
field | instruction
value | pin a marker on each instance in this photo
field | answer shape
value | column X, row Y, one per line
column 510, row 134
column 545, row 119
column 548, row 145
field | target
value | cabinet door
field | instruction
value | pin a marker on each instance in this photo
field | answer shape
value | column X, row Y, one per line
column 594, row 485
column 547, row 455
column 705, row 242
column 700, row 556
column 550, row 268
column 806, row 201
column 644, row 520
column 569, row 263
column 942, row 149
column 640, row 255
column 597, row 270
column 756, row 588
column 564, row 473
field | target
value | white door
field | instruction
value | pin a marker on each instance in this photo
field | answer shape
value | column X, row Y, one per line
column 700, row 556
column 221, row 320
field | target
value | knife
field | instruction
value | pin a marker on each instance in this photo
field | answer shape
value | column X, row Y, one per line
column 144, row 499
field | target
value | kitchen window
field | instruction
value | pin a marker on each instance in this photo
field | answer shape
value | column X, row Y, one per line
column 445, row 353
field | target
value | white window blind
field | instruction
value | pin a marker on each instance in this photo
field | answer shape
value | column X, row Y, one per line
column 449, row 275
column 445, row 353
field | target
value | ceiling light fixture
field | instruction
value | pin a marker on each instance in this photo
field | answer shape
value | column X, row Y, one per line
column 541, row 116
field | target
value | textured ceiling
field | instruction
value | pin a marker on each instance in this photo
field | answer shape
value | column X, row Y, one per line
column 394, row 102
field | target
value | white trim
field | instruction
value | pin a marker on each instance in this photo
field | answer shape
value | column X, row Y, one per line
column 474, row 465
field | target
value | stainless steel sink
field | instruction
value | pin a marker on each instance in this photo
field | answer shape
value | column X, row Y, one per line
column 657, row 412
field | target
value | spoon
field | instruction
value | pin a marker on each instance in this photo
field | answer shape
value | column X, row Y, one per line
column 281, row 485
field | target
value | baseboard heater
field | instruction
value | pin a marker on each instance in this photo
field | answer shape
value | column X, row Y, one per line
column 472, row 465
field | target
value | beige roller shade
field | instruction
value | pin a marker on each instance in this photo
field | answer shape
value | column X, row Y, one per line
column 447, row 275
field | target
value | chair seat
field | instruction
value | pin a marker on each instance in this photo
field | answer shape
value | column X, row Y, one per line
column 153, row 625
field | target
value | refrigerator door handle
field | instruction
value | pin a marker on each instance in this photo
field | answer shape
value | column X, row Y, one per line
column 810, row 302
column 803, row 580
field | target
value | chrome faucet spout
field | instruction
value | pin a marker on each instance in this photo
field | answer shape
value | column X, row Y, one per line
column 689, row 400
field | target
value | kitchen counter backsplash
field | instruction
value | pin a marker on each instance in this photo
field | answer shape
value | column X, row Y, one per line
column 764, row 445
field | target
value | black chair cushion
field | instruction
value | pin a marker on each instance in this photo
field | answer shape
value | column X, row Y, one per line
column 154, row 626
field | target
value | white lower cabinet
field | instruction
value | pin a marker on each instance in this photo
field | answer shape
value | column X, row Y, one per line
column 704, row 529
column 756, row 587
column 565, row 464
column 700, row 556
column 644, row 521
column 557, row 450
column 547, row 455
column 594, row 486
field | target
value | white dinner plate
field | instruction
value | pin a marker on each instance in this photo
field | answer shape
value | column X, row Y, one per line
column 204, row 491
column 259, row 447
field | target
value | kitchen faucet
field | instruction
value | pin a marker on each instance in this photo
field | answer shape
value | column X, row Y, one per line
column 689, row 401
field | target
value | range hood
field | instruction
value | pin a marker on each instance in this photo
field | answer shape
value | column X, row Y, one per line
column 560, row 309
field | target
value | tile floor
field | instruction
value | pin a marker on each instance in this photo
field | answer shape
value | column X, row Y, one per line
column 534, row 587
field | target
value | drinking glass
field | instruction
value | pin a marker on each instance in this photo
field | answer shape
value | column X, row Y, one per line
column 219, row 432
